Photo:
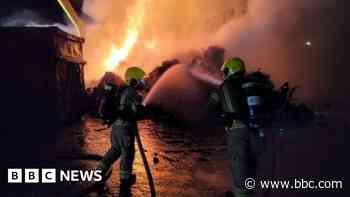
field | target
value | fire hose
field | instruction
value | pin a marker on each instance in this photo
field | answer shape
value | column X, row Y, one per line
column 145, row 163
column 98, row 157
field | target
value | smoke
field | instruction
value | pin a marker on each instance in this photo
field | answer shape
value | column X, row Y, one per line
column 28, row 18
column 272, row 36
column 169, row 29
column 268, row 34
column 205, row 67
column 109, row 27
column 21, row 18
column 284, row 39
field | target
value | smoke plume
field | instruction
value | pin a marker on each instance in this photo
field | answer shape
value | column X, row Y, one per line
column 169, row 28
column 29, row 18
column 293, row 40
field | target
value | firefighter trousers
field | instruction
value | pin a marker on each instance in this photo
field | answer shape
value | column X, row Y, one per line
column 244, row 149
column 123, row 147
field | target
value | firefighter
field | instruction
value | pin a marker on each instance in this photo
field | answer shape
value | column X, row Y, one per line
column 231, row 102
column 123, row 134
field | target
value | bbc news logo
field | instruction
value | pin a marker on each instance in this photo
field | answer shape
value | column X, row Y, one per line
column 50, row 175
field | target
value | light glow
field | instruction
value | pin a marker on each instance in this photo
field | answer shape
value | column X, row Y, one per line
column 72, row 15
column 135, row 21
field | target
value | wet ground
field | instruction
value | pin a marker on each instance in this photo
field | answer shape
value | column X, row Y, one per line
column 194, row 162
column 183, row 163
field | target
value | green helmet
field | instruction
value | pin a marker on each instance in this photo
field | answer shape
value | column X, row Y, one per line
column 134, row 73
column 233, row 66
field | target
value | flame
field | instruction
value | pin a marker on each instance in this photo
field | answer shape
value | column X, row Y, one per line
column 117, row 55
column 151, row 44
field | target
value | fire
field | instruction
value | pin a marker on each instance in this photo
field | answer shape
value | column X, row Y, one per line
column 151, row 44
column 117, row 55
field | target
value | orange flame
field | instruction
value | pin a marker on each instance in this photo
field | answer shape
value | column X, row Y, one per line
column 117, row 55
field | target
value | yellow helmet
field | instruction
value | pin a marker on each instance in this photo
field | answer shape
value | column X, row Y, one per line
column 233, row 66
column 134, row 73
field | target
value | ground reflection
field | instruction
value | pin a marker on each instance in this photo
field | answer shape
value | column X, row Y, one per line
column 181, row 163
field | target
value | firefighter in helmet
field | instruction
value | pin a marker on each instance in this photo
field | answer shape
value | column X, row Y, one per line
column 231, row 102
column 123, row 132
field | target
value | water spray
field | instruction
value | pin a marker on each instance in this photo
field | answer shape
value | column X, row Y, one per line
column 204, row 76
